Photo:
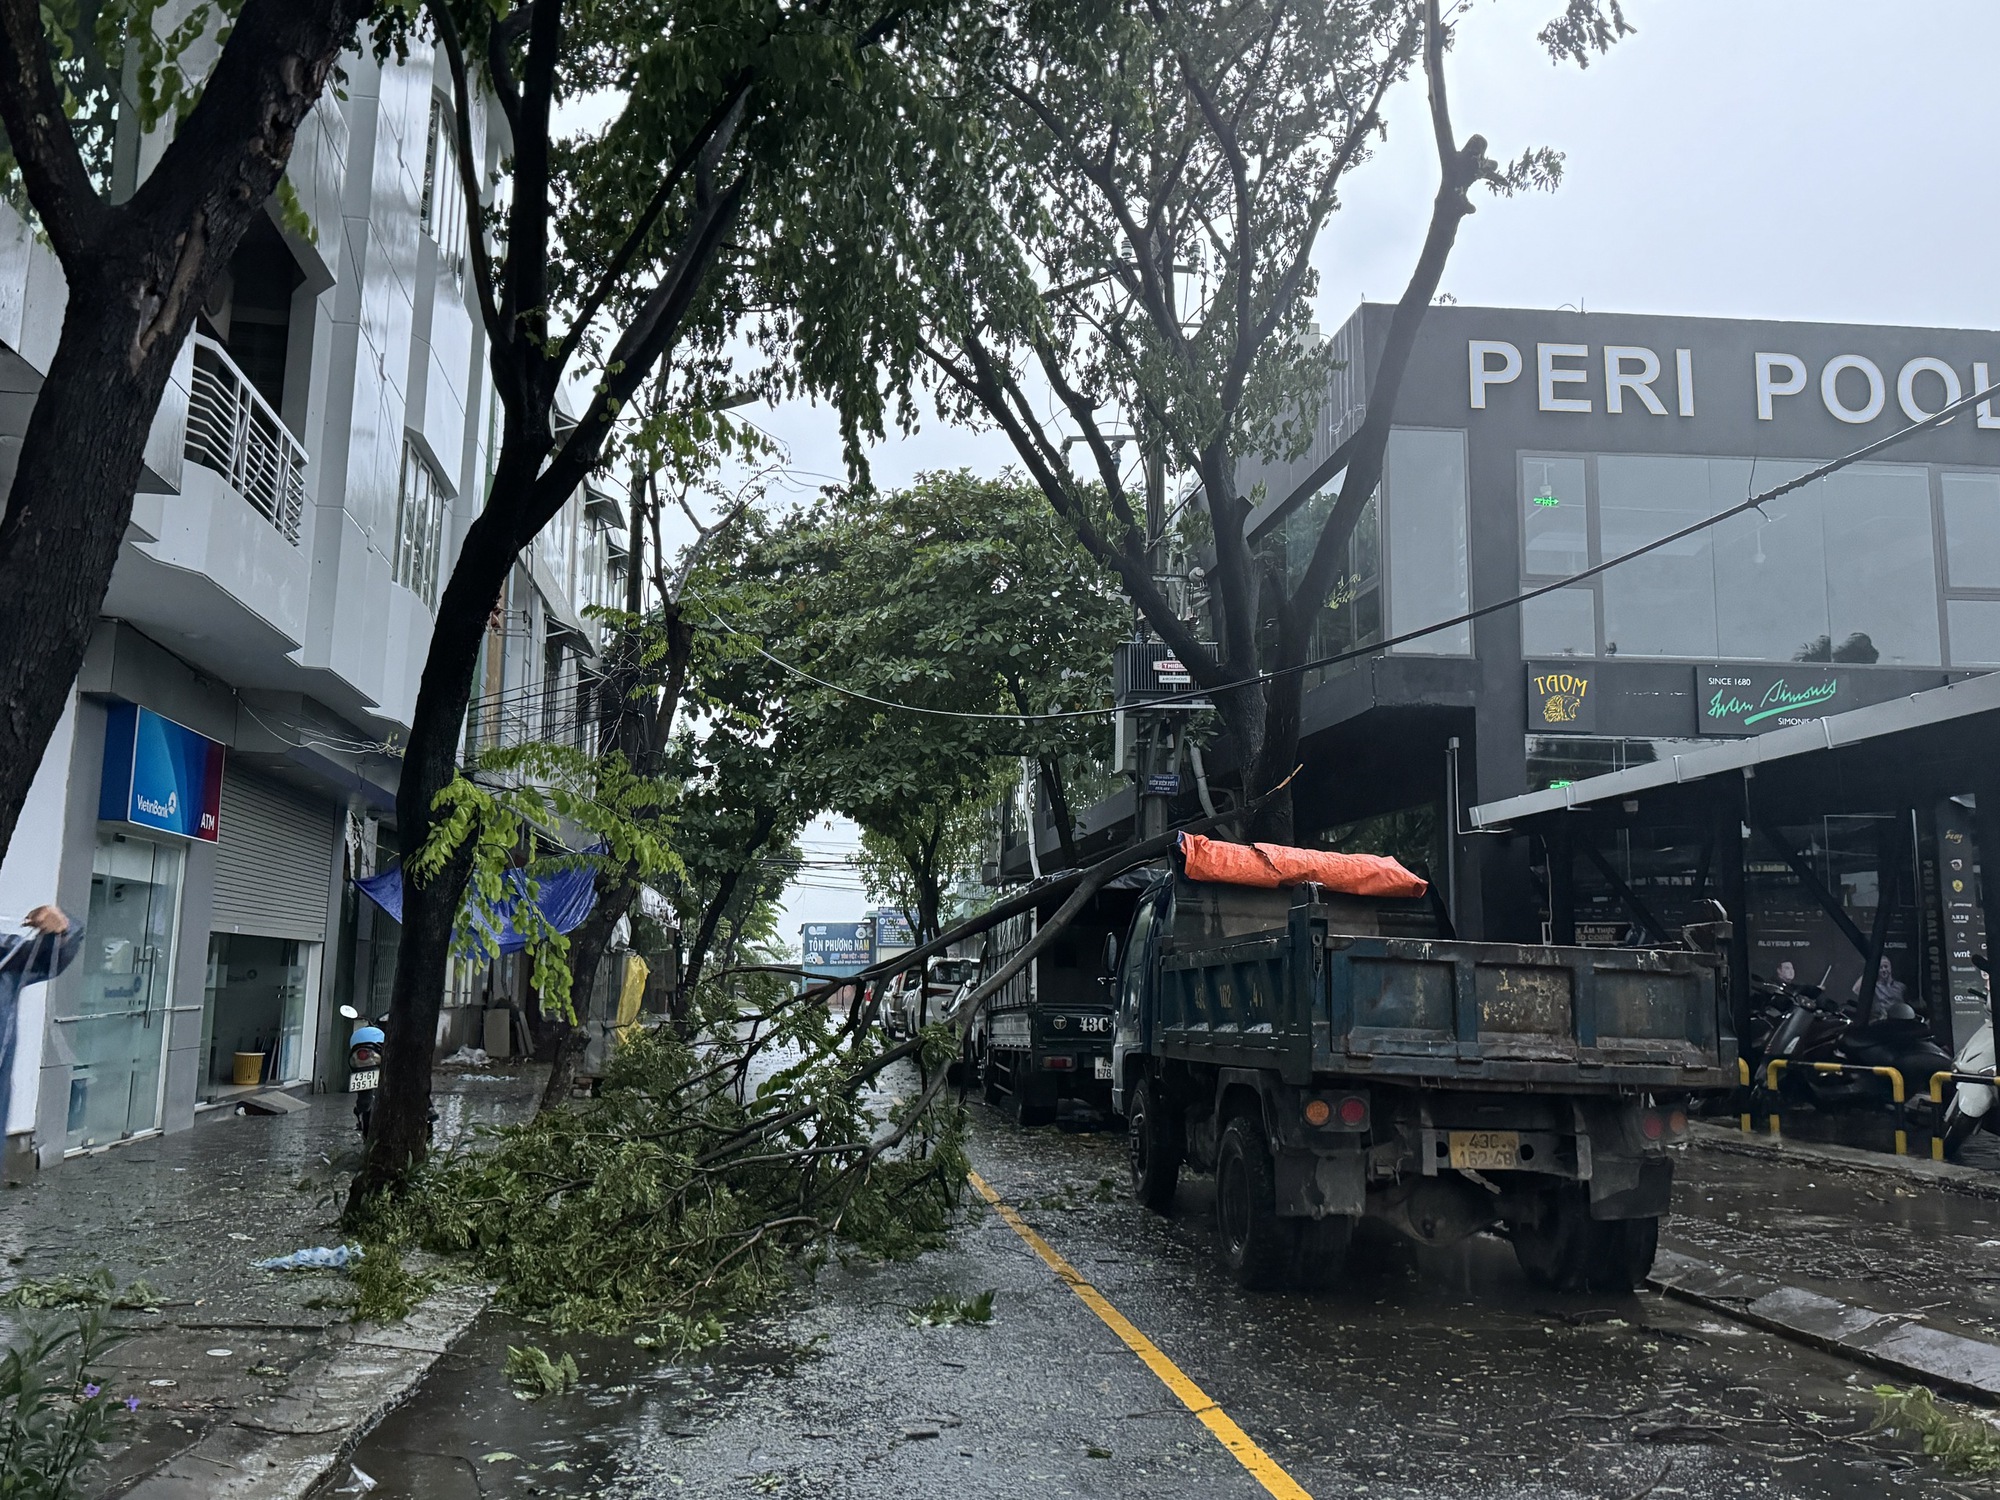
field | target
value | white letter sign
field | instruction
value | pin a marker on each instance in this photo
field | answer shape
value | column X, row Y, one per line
column 1548, row 377
column 1829, row 388
column 1618, row 380
column 1768, row 385
column 1477, row 352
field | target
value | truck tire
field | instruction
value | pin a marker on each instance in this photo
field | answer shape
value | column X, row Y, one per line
column 1568, row 1251
column 1319, row 1252
column 1255, row 1244
column 1153, row 1146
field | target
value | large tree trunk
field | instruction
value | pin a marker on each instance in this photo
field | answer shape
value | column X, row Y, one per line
column 66, row 517
column 137, row 274
column 400, row 1134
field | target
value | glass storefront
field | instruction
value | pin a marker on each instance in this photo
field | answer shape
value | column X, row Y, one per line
column 118, row 1034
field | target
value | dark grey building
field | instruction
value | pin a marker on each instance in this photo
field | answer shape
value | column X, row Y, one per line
column 1532, row 445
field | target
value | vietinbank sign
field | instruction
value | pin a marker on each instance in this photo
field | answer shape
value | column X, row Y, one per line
column 1634, row 379
column 160, row 775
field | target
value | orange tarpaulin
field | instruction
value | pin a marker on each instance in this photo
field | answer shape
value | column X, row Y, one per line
column 1271, row 865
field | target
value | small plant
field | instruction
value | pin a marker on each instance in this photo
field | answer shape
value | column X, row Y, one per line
column 384, row 1289
column 1106, row 1191
column 683, row 1335
column 535, row 1375
column 1959, row 1440
column 53, row 1417
column 943, row 1312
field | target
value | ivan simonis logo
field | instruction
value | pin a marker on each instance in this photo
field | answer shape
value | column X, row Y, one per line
column 1779, row 698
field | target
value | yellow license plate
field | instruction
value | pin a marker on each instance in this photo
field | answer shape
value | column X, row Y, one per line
column 1486, row 1150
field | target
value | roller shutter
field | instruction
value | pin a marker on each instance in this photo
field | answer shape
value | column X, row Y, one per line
column 274, row 861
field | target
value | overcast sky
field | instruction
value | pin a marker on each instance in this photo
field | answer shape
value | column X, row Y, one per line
column 1830, row 160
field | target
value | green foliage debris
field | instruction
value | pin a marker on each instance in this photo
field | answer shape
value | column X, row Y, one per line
column 72, row 1292
column 707, row 1170
column 1960, row 1440
column 536, row 1375
column 384, row 1288
column 947, row 1312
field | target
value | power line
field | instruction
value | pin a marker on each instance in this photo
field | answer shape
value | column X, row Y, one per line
column 1937, row 418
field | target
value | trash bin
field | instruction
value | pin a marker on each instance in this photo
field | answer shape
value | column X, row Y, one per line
column 249, row 1067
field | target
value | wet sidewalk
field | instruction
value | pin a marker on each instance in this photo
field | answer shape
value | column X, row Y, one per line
column 1892, row 1261
column 222, row 1356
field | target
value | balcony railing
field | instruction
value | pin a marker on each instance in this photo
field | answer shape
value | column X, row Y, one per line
column 233, row 430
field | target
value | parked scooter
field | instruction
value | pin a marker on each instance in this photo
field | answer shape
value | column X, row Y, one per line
column 1819, row 1029
column 1971, row 1104
column 364, row 1067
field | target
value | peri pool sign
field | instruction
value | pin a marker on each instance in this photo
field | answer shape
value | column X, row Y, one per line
column 160, row 775
column 1756, row 700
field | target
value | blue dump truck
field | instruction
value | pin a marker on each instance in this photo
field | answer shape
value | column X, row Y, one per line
column 1332, row 1057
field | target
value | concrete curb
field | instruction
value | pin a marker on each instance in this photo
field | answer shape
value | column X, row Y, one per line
column 286, row 1450
column 1895, row 1342
column 1971, row 1181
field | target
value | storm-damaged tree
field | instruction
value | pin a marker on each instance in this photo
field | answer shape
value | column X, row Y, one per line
column 80, row 85
column 1164, row 176
column 952, row 626
column 626, row 255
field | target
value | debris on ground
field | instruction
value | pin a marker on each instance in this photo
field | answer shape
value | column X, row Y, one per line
column 468, row 1057
column 315, row 1258
column 947, row 1312
column 536, row 1375
column 1961, row 1440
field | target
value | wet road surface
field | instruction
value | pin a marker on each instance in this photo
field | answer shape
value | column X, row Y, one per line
column 1435, row 1374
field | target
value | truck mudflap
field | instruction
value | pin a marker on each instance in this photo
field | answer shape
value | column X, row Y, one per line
column 1314, row 1185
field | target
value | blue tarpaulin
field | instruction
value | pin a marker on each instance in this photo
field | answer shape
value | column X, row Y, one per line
column 565, row 898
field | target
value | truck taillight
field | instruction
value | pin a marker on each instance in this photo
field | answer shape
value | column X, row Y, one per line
column 1651, row 1126
column 1349, row 1113
column 1353, row 1111
column 1677, row 1122
column 1061, row 1062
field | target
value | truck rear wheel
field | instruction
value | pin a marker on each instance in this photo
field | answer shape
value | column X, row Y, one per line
column 1256, row 1244
column 1567, row 1250
column 1153, row 1146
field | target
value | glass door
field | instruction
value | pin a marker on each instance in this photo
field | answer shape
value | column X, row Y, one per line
column 118, row 1034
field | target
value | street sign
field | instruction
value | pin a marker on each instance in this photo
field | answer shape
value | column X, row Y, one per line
column 1163, row 784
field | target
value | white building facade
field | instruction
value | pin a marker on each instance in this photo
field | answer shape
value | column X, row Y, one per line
column 325, row 442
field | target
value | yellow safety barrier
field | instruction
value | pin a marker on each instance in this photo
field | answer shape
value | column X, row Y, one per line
column 1743, row 1078
column 1894, row 1075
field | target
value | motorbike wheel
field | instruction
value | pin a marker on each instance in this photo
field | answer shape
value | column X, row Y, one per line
column 1958, row 1128
column 364, row 1111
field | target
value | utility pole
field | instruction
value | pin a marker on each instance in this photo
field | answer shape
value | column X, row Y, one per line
column 1156, row 768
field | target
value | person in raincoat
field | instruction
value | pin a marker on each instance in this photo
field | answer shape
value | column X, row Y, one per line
column 39, row 954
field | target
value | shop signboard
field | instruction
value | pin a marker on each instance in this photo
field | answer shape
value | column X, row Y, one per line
column 837, row 947
column 1756, row 700
column 160, row 775
column 1960, row 916
column 893, row 932
column 1562, row 697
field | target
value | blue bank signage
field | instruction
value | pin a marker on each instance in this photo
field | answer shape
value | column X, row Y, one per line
column 837, row 947
column 160, row 775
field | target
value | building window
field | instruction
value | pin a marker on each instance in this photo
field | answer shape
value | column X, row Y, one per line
column 420, row 507
column 1351, row 614
column 442, row 211
column 1843, row 570
column 1425, row 496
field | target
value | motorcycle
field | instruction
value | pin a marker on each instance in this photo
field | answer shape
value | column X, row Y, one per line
column 364, row 1067
column 1971, row 1104
column 1819, row 1029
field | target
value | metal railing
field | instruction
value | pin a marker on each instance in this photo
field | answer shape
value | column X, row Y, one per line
column 1896, row 1092
column 233, row 430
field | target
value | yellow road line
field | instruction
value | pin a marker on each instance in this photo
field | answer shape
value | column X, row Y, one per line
column 1263, row 1468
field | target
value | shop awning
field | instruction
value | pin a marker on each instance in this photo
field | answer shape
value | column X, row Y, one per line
column 1955, row 711
column 564, row 898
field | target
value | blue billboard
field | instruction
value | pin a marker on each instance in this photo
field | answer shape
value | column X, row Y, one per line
column 836, row 947
column 160, row 775
column 893, row 930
